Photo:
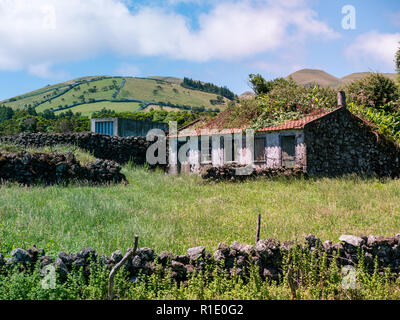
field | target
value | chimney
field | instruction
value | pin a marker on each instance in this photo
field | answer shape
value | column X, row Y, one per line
column 341, row 97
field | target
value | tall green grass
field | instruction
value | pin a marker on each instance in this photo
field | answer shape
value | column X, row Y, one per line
column 175, row 213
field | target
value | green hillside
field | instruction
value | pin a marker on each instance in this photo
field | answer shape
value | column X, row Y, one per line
column 120, row 94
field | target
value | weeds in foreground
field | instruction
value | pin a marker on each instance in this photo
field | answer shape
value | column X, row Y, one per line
column 311, row 275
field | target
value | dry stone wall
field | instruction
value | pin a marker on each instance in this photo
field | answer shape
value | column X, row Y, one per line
column 229, row 173
column 26, row 168
column 341, row 143
column 106, row 147
column 268, row 255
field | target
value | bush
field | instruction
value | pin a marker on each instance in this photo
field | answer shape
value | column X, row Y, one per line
column 375, row 90
column 287, row 100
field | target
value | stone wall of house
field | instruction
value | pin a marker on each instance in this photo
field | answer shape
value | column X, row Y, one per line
column 107, row 147
column 341, row 143
column 268, row 255
column 31, row 168
column 273, row 149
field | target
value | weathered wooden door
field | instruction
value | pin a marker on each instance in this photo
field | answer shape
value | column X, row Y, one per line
column 288, row 151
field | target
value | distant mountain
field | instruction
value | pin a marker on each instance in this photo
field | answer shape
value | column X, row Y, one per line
column 311, row 76
column 247, row 95
column 308, row 77
column 360, row 75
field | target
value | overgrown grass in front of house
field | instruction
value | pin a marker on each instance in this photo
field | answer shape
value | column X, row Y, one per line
column 175, row 213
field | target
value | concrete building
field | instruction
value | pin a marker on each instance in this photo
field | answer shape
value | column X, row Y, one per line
column 120, row 127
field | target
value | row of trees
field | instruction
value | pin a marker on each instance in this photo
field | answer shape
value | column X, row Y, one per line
column 28, row 120
column 208, row 87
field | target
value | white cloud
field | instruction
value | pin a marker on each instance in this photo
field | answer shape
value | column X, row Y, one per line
column 374, row 48
column 36, row 35
column 127, row 70
column 45, row 71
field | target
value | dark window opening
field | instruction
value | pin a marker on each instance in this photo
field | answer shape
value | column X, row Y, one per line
column 206, row 151
column 288, row 145
column 259, row 149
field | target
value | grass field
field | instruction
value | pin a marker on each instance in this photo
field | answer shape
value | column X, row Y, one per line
column 35, row 97
column 88, row 109
column 176, row 213
column 72, row 96
column 162, row 91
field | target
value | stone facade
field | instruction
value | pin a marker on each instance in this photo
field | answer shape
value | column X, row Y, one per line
column 341, row 143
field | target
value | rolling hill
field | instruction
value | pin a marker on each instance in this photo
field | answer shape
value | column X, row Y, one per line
column 90, row 94
column 311, row 76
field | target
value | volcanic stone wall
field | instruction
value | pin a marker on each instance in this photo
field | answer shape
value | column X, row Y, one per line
column 268, row 255
column 117, row 149
column 230, row 173
column 341, row 143
column 28, row 169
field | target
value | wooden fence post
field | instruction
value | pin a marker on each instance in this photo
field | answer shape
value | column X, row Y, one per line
column 114, row 270
column 258, row 228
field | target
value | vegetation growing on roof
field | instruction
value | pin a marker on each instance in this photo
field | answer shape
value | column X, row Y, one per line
column 277, row 101
column 287, row 100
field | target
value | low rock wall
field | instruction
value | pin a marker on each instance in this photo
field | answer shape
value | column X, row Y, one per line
column 31, row 168
column 103, row 147
column 233, row 173
column 268, row 255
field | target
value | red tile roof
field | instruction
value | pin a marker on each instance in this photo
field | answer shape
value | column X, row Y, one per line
column 294, row 124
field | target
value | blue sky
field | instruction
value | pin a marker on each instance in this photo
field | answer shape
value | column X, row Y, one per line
column 50, row 41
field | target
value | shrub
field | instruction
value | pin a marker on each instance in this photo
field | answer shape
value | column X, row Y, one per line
column 375, row 90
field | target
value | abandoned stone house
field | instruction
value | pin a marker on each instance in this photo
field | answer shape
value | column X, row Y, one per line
column 329, row 144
